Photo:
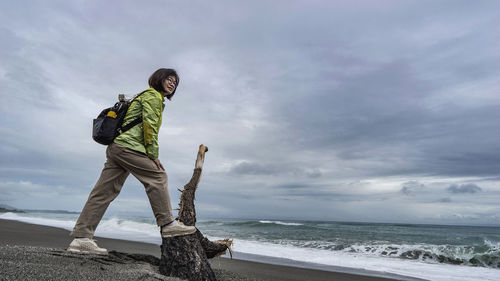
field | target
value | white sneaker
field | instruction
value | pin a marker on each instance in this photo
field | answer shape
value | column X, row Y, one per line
column 86, row 245
column 176, row 229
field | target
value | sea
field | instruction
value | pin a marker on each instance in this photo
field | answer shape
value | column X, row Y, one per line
column 402, row 251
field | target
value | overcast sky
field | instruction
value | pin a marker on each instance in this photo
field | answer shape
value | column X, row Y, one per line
column 378, row 111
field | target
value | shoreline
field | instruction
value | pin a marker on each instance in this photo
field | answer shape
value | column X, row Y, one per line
column 25, row 234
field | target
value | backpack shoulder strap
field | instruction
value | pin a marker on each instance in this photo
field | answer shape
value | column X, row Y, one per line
column 138, row 95
column 131, row 124
column 134, row 122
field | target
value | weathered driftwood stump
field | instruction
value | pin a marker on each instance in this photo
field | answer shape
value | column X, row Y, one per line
column 187, row 256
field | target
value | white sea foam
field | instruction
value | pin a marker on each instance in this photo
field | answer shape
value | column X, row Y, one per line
column 282, row 223
column 494, row 246
column 109, row 228
column 147, row 232
column 66, row 224
column 395, row 250
column 431, row 271
column 129, row 230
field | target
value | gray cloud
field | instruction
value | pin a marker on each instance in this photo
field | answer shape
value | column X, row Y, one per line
column 314, row 173
column 247, row 168
column 252, row 168
column 464, row 188
column 291, row 186
column 296, row 108
column 412, row 188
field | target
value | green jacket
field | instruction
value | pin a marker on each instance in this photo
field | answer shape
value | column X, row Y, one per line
column 144, row 136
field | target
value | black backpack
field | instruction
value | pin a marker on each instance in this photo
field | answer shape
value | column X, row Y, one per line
column 108, row 125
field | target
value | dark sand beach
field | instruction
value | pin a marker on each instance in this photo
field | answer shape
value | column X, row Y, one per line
column 36, row 252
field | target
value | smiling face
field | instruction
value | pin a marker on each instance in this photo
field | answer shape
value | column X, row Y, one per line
column 169, row 85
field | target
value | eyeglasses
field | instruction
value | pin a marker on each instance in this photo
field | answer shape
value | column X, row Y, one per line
column 171, row 80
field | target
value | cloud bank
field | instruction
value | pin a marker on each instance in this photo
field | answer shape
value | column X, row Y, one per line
column 317, row 110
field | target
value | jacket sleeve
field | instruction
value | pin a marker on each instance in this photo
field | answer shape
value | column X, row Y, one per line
column 151, row 120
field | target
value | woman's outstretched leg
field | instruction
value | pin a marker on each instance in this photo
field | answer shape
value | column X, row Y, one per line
column 105, row 190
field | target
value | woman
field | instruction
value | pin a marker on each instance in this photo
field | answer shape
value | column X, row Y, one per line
column 134, row 152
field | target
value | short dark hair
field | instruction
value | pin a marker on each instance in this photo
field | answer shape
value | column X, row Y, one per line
column 156, row 80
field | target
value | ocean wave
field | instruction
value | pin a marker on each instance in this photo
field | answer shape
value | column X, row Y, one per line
column 254, row 224
column 352, row 259
column 483, row 255
column 113, row 227
column 61, row 223
column 480, row 255
column 282, row 223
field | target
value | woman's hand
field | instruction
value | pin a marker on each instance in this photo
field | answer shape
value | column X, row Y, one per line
column 158, row 164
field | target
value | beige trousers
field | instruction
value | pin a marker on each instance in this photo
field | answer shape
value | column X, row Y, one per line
column 121, row 162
